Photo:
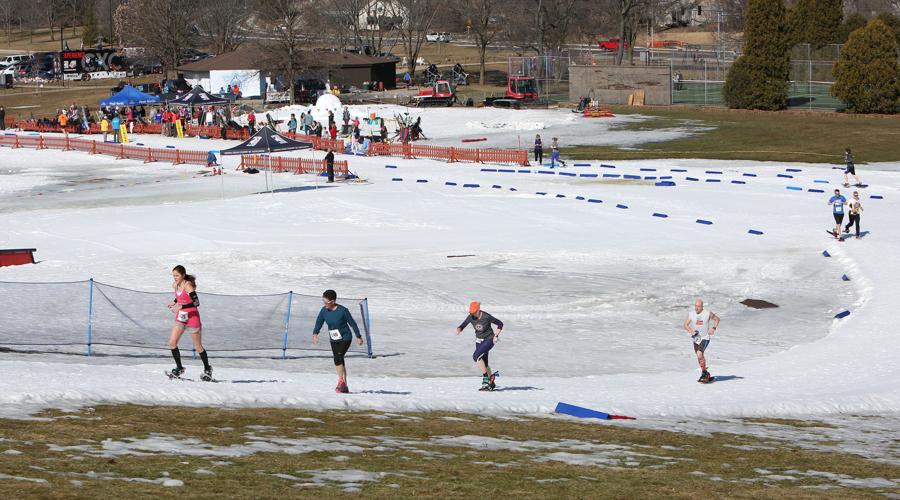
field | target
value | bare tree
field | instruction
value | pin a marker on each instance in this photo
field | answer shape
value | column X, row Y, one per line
column 417, row 17
column 364, row 22
column 221, row 24
column 483, row 17
column 285, row 20
column 168, row 38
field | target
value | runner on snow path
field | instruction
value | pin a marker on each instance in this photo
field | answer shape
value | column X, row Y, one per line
column 837, row 203
column 339, row 323
column 187, row 318
column 697, row 326
column 485, row 338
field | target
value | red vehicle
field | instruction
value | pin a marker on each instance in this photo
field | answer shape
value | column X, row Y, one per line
column 441, row 93
column 610, row 45
column 519, row 90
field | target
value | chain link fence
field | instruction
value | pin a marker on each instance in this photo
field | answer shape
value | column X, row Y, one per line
column 551, row 73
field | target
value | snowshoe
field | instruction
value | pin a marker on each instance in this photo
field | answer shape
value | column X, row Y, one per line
column 175, row 372
column 207, row 375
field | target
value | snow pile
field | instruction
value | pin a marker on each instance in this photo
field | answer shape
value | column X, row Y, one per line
column 506, row 125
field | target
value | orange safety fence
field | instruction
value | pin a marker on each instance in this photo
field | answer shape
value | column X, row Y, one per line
column 451, row 154
column 288, row 164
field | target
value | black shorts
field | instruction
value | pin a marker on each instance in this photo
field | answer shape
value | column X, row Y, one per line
column 701, row 347
column 850, row 169
column 838, row 218
column 338, row 349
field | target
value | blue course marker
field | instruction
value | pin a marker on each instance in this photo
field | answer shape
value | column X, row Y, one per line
column 449, row 183
column 845, row 278
column 619, row 205
column 577, row 411
column 660, row 215
column 821, row 181
column 612, row 176
column 629, row 176
column 422, row 180
column 650, row 178
column 506, row 170
column 814, row 190
column 488, row 169
column 496, row 186
column 471, row 185
column 524, row 171
column 513, row 189
column 705, row 222
column 794, row 188
column 397, row 179
column 594, row 200
column 580, row 198
column 603, row 165
column 569, row 174
column 738, row 182
column 876, row 197
column 793, row 170
column 842, row 314
column 785, row 176
column 754, row 231
column 692, row 179
column 587, row 175
column 714, row 172
column 648, row 170
column 560, row 196
column 825, row 253
column 682, row 170
column 713, row 180
column 582, row 164
column 749, row 175
column 664, row 177
column 550, row 172
column 541, row 193
column 665, row 183
column 390, row 166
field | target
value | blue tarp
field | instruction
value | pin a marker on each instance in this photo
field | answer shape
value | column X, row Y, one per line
column 129, row 96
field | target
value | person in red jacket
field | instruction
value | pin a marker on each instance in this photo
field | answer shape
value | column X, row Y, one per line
column 333, row 131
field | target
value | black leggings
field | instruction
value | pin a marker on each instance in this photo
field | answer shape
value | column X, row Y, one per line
column 338, row 349
column 854, row 219
column 539, row 156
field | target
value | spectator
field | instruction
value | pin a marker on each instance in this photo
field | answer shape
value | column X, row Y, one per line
column 104, row 127
column 62, row 120
column 346, row 118
column 384, row 132
column 210, row 117
column 2, row 118
column 251, row 122
column 307, row 123
column 292, row 124
column 329, row 163
column 116, row 125
column 212, row 163
column 332, row 131
column 129, row 117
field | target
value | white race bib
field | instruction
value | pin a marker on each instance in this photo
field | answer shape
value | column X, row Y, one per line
column 182, row 316
column 334, row 334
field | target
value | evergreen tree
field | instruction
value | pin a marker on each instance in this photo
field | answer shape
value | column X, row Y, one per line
column 816, row 22
column 893, row 23
column 852, row 23
column 867, row 75
column 759, row 78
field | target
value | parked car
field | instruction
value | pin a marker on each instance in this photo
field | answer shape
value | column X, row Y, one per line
column 438, row 37
column 610, row 45
column 16, row 59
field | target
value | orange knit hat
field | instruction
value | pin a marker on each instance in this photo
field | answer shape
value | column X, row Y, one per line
column 474, row 307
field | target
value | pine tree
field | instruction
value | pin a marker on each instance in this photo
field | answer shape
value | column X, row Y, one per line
column 816, row 22
column 852, row 23
column 89, row 31
column 893, row 23
column 759, row 78
column 867, row 75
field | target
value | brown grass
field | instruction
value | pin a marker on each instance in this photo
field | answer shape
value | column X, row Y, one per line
column 452, row 474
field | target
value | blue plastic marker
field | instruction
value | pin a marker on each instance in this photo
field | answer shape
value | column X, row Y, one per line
column 569, row 174
column 842, row 314
column 713, row 180
column 738, row 182
column 793, row 170
column 633, row 177
column 794, row 188
column 660, row 215
column 390, row 166
column 550, row 172
column 582, row 164
column 422, row 180
column 785, row 176
column 825, row 253
column 603, row 165
column 664, row 177
column 560, row 196
column 754, row 231
column 524, row 171
column 665, row 183
column 540, row 193
column 650, row 178
column 513, row 189
column 821, row 181
column 876, row 197
column 577, row 411
column 612, row 176
column 714, row 172
column 587, row 175
column 814, row 190
column 449, row 183
column 594, row 200
column 397, row 179
column 488, row 169
column 495, row 186
column 619, row 205
column 682, row 170
column 749, row 175
column 506, row 170
column 845, row 278
column 471, row 185
column 705, row 222
column 579, row 198
column 692, row 179
column 648, row 170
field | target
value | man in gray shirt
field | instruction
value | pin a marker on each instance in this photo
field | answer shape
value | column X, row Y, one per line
column 484, row 341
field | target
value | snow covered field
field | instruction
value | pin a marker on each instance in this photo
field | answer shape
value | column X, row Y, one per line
column 593, row 294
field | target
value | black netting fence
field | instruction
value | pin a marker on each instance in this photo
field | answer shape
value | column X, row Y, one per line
column 87, row 315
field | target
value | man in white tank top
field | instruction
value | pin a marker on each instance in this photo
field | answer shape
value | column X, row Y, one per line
column 698, row 327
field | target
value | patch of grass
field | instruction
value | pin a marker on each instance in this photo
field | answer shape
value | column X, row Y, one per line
column 408, row 455
column 765, row 136
column 31, row 101
column 790, row 422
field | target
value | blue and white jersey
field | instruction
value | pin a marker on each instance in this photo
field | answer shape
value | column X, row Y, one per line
column 837, row 204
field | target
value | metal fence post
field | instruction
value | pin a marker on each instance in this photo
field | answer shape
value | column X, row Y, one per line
column 367, row 325
column 90, row 314
column 287, row 323
column 705, row 80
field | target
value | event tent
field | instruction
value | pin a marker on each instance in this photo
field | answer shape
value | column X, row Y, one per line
column 129, row 96
column 266, row 141
column 198, row 97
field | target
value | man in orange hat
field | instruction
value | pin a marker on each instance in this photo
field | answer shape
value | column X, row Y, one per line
column 485, row 338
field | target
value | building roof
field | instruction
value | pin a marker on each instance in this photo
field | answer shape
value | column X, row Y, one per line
column 248, row 59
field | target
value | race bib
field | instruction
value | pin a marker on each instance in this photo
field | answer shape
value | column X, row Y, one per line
column 182, row 316
column 334, row 334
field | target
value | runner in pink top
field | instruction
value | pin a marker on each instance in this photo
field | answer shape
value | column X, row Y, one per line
column 187, row 318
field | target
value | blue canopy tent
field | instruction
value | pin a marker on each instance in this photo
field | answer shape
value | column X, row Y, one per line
column 129, row 96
